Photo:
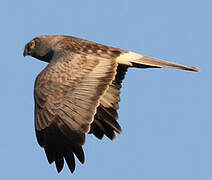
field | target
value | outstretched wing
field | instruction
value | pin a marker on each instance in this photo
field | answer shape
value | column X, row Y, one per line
column 105, row 119
column 67, row 94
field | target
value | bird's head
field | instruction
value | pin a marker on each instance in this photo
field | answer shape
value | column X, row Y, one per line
column 41, row 47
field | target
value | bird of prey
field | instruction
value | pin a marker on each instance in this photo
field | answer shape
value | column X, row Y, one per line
column 78, row 92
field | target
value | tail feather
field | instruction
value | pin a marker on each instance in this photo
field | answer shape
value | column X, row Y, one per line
column 105, row 114
column 100, row 128
column 96, row 129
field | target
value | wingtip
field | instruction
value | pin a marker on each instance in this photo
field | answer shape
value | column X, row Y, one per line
column 197, row 69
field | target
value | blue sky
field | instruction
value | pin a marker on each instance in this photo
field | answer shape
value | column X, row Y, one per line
column 165, row 114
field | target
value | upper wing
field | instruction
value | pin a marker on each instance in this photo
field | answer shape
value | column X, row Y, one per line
column 132, row 59
column 67, row 93
column 105, row 120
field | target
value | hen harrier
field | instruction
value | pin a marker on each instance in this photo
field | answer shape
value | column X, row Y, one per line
column 79, row 91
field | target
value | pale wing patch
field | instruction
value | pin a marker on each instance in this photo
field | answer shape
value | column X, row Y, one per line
column 128, row 57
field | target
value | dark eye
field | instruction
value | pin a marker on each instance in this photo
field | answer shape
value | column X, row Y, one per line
column 32, row 44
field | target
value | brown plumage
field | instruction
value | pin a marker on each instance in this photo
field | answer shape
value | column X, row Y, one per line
column 79, row 91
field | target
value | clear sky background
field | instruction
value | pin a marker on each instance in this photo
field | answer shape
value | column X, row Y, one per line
column 165, row 114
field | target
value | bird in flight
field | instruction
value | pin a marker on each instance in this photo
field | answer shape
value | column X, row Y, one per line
column 78, row 92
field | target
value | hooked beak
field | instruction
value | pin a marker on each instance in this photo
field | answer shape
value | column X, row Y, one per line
column 25, row 52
